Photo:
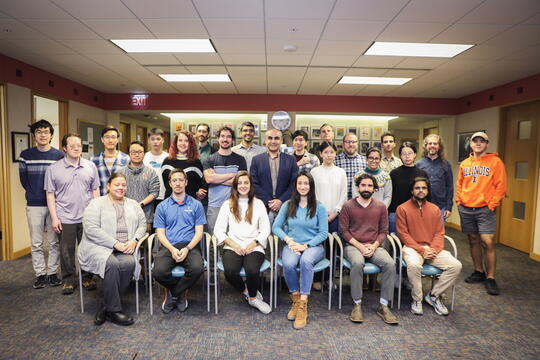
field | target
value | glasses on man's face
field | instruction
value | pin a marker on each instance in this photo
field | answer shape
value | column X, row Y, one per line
column 277, row 138
column 43, row 132
column 110, row 137
column 371, row 158
column 136, row 152
column 249, row 130
column 420, row 188
column 350, row 142
column 407, row 153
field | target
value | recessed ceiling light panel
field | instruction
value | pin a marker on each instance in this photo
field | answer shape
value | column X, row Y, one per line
column 416, row 49
column 196, row 77
column 165, row 45
column 372, row 80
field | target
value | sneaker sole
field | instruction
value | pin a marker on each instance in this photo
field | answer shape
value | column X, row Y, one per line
column 388, row 322
column 356, row 321
column 299, row 327
column 417, row 313
column 38, row 286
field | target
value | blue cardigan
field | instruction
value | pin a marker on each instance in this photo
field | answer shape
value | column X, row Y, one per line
column 303, row 229
column 262, row 180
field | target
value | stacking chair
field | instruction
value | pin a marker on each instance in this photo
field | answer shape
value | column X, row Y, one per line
column 322, row 265
column 427, row 270
column 136, row 253
column 265, row 266
column 178, row 271
column 369, row 268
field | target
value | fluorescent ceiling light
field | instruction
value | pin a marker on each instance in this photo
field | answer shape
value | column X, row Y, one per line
column 344, row 118
column 373, row 80
column 196, row 77
column 416, row 49
column 165, row 45
column 216, row 116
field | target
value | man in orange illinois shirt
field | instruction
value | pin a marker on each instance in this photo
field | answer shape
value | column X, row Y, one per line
column 481, row 185
column 420, row 227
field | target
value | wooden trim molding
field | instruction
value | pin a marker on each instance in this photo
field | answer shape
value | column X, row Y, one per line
column 535, row 256
column 21, row 253
column 5, row 194
column 453, row 226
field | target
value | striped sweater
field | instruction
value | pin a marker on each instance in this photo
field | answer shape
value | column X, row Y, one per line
column 141, row 182
column 32, row 166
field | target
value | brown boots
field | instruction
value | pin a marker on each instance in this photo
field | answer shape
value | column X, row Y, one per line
column 298, row 312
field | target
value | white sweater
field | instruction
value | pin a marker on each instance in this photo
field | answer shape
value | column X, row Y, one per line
column 330, row 186
column 243, row 233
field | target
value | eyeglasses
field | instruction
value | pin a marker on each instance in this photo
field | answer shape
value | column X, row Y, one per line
column 420, row 188
column 273, row 138
column 110, row 137
column 371, row 158
column 350, row 142
column 136, row 152
column 42, row 132
column 407, row 154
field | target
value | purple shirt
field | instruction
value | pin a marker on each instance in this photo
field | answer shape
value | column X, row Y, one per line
column 72, row 186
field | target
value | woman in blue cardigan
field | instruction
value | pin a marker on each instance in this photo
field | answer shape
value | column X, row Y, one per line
column 302, row 223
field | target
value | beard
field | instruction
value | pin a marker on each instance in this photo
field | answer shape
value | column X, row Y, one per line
column 366, row 194
column 421, row 199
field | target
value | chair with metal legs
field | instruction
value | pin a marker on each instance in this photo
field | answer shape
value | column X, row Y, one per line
column 325, row 263
column 136, row 276
column 178, row 271
column 427, row 270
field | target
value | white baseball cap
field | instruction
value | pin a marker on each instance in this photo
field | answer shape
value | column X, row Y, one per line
column 481, row 134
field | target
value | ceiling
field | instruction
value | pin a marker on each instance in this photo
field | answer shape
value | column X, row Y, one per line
column 70, row 38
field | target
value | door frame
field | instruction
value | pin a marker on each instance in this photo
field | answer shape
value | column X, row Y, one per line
column 501, row 150
column 6, row 247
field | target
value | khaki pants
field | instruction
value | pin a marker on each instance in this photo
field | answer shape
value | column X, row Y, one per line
column 39, row 224
column 450, row 266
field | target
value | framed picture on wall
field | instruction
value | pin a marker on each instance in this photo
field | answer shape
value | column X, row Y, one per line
column 193, row 128
column 179, row 126
column 215, row 127
column 364, row 146
column 315, row 133
column 376, row 144
column 340, row 132
column 19, row 141
column 351, row 130
column 464, row 145
column 315, row 144
column 365, row 133
column 376, row 132
column 305, row 128
column 339, row 145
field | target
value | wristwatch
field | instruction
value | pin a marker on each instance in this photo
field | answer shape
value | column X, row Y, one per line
column 188, row 247
column 142, row 204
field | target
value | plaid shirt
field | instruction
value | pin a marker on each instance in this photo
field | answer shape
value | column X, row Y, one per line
column 352, row 165
column 121, row 160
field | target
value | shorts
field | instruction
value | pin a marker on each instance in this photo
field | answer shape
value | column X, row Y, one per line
column 477, row 220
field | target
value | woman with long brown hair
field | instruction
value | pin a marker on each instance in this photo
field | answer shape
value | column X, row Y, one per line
column 243, row 226
column 184, row 155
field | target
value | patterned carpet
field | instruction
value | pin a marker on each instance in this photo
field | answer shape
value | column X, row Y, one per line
column 43, row 324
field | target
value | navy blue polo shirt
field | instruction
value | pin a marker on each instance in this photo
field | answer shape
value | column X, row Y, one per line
column 179, row 220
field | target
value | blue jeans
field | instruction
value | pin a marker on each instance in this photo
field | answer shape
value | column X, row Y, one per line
column 391, row 222
column 307, row 259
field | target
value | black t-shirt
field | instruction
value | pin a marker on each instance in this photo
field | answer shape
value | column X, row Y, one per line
column 402, row 178
column 193, row 170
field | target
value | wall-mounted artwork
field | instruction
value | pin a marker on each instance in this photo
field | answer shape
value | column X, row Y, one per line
column 376, row 133
column 179, row 126
column 19, row 141
column 364, row 146
column 305, row 128
column 340, row 132
column 193, row 128
column 339, row 145
column 351, row 130
column 315, row 133
column 365, row 133
column 464, row 145
column 376, row 144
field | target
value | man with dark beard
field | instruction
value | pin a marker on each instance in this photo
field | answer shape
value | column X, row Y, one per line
column 363, row 222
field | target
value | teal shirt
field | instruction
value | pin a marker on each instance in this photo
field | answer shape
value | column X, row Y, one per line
column 303, row 229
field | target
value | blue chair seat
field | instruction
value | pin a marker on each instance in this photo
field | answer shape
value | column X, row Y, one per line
column 179, row 271
column 369, row 268
column 264, row 266
column 427, row 269
column 320, row 266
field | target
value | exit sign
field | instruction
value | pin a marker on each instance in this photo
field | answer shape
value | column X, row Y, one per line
column 139, row 100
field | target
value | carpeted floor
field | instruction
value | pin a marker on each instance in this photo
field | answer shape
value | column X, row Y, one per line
column 43, row 324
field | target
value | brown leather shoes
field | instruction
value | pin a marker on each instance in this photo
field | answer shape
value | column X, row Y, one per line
column 357, row 315
column 291, row 315
column 301, row 315
column 384, row 312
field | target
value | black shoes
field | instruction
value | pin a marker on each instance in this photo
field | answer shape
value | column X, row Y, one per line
column 491, row 287
column 476, row 277
column 119, row 318
column 100, row 316
column 68, row 289
column 54, row 280
column 40, row 282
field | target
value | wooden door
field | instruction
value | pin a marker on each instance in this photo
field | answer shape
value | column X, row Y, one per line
column 141, row 135
column 125, row 137
column 520, row 139
column 431, row 130
column 166, row 141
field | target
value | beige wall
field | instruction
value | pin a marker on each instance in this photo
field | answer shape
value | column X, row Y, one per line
column 134, row 122
column 84, row 112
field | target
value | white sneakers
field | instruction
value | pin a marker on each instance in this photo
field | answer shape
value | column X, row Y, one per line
column 437, row 304
column 246, row 295
column 416, row 308
column 260, row 305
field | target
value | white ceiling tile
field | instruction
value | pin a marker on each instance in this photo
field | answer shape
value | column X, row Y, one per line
column 328, row 47
column 239, row 46
column 486, row 52
column 321, row 79
column 161, row 9
column 248, row 75
column 285, row 79
column 290, row 59
column 95, row 9
column 31, row 9
column 517, row 36
column 207, row 69
column 365, row 72
column 316, row 90
column 45, row 47
column 502, row 12
column 373, row 10
column 189, row 88
column 421, row 63
column 155, row 59
column 120, row 29
column 16, row 30
column 353, row 30
column 220, row 88
column 235, row 28
column 528, row 53
column 200, row 59
column 442, row 11
column 376, row 61
column 63, row 29
column 298, row 9
column 168, row 69
column 294, row 29
column 411, row 32
column 92, row 46
column 468, row 33
column 113, row 61
column 4, row 15
column 375, row 90
column 342, row 90
column 275, row 46
column 533, row 20
column 177, row 28
column 404, row 73
column 333, row 60
column 229, row 8
column 243, row 59
column 253, row 89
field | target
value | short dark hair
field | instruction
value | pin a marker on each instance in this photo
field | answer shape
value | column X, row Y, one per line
column 136, row 142
column 176, row 171
column 419, row 179
column 248, row 124
column 203, row 124
column 408, row 144
column 359, row 178
column 106, row 129
column 373, row 149
column 114, row 176
column 41, row 124
column 226, row 128
column 301, row 133
column 388, row 133
column 68, row 135
column 326, row 144
column 156, row 131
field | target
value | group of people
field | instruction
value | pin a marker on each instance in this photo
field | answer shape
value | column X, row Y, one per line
column 242, row 194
